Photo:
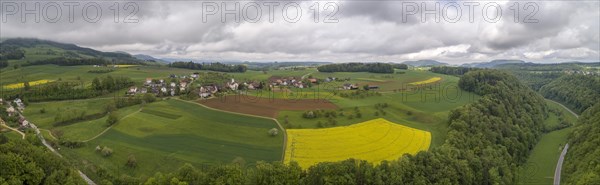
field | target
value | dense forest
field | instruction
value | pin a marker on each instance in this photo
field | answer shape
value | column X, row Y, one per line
column 578, row 92
column 210, row 66
column 24, row 163
column 357, row 67
column 456, row 71
column 486, row 143
column 10, row 53
column 582, row 163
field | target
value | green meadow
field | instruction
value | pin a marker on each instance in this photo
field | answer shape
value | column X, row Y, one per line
column 166, row 134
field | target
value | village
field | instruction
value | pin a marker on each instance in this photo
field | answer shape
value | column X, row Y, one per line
column 176, row 85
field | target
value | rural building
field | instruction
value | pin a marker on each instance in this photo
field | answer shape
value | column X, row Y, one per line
column 207, row 91
column 232, row 85
column 312, row 80
column 144, row 90
column 373, row 87
column 195, row 75
column 10, row 110
column 23, row 122
column 132, row 90
column 349, row 86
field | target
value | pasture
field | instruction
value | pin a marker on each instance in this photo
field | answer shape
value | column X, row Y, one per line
column 374, row 141
column 166, row 134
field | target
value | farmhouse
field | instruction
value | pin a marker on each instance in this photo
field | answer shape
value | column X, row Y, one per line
column 312, row 80
column 195, row 75
column 23, row 122
column 207, row 91
column 132, row 90
column 182, row 85
column 20, row 105
column 144, row 90
column 349, row 86
column 232, row 85
column 10, row 110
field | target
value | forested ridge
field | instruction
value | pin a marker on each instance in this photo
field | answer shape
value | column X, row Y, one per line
column 24, row 163
column 359, row 67
column 210, row 66
column 578, row 92
column 486, row 143
column 582, row 163
column 65, row 90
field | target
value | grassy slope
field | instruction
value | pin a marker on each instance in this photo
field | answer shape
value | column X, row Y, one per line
column 200, row 136
column 542, row 160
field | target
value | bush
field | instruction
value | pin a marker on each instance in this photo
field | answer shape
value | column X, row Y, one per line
column 106, row 152
column 273, row 132
column 131, row 161
column 112, row 118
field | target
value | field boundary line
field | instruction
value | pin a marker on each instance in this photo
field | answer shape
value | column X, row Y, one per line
column 106, row 130
column 249, row 115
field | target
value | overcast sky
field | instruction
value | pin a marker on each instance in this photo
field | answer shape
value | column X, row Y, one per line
column 354, row 31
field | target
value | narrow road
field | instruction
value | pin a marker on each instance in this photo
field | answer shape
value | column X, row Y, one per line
column 559, row 165
column 304, row 76
column 561, row 159
column 577, row 116
column 250, row 115
column 38, row 133
column 13, row 129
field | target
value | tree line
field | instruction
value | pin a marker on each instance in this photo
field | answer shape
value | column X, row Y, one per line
column 239, row 68
column 456, row 71
column 357, row 67
column 62, row 90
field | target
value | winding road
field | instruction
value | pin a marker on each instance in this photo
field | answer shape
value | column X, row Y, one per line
column 561, row 159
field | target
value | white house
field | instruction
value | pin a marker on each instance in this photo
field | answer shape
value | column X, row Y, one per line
column 10, row 110
column 163, row 89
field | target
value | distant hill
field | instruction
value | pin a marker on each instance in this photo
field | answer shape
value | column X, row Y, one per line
column 493, row 63
column 38, row 49
column 150, row 58
column 422, row 63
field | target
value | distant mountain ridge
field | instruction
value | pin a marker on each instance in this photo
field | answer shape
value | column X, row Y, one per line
column 150, row 58
column 493, row 63
column 422, row 63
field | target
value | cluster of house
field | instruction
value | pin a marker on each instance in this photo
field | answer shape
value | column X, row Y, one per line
column 158, row 86
column 11, row 111
column 290, row 81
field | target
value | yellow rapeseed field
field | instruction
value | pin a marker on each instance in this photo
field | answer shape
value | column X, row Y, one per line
column 21, row 85
column 374, row 141
column 121, row 66
column 431, row 80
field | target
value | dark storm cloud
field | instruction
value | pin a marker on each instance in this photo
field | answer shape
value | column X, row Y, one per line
column 365, row 31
